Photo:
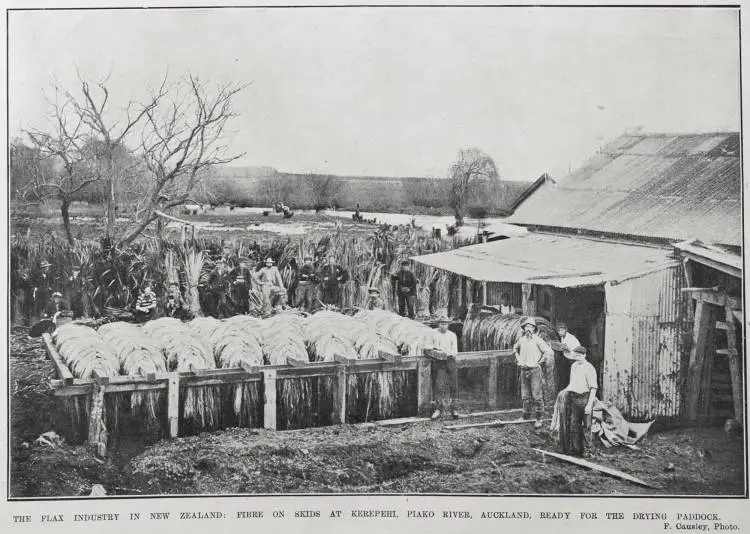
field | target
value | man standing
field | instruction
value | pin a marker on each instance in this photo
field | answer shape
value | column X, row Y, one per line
column 562, row 364
column 374, row 302
column 406, row 289
column 306, row 285
column 175, row 305
column 272, row 286
column 145, row 306
column 575, row 404
column 530, row 351
column 332, row 276
column 42, row 288
column 240, row 276
column 446, row 372
column 54, row 307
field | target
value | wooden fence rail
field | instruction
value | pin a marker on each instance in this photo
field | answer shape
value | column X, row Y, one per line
column 340, row 369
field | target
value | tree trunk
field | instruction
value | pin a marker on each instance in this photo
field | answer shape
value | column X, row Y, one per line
column 65, row 212
column 110, row 192
column 459, row 216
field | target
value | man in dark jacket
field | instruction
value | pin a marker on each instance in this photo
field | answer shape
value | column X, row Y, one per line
column 306, row 286
column 331, row 277
column 406, row 289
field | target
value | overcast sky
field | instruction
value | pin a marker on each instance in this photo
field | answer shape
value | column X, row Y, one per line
column 397, row 91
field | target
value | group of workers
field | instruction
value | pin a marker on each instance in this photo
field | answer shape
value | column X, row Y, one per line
column 532, row 352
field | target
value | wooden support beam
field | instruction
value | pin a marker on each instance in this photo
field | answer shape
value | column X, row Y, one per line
column 728, row 352
column 484, row 293
column 697, row 355
column 269, row 399
column 596, row 467
column 343, row 359
column 387, row 356
column 713, row 289
column 734, row 365
column 424, row 387
column 62, row 370
column 173, row 405
column 339, row 401
column 720, row 299
column 98, row 436
column 101, row 379
column 492, row 383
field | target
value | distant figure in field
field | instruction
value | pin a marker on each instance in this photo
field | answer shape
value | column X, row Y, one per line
column 374, row 302
column 331, row 277
column 272, row 287
column 306, row 286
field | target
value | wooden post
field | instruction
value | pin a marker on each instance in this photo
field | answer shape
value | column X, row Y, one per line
column 424, row 386
column 492, row 383
column 460, row 291
column 339, row 401
column 173, row 404
column 484, row 293
column 527, row 306
column 97, row 429
column 697, row 356
column 469, row 292
column 734, row 364
column 269, row 399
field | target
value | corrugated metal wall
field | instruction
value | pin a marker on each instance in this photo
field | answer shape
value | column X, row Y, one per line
column 646, row 318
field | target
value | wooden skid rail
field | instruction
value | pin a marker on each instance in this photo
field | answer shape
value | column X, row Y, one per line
column 340, row 369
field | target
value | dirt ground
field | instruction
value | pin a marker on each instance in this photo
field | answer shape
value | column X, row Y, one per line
column 418, row 458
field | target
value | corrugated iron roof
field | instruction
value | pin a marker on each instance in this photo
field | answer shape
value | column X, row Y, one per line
column 712, row 256
column 545, row 259
column 664, row 186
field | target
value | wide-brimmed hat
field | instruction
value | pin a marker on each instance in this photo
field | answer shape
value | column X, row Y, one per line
column 562, row 324
column 45, row 263
column 529, row 321
column 443, row 319
column 269, row 260
column 374, row 290
column 576, row 353
column 57, row 294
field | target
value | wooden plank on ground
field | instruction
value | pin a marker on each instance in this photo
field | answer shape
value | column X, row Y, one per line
column 489, row 424
column 62, row 370
column 173, row 405
column 269, row 399
column 697, row 355
column 491, row 412
column 596, row 467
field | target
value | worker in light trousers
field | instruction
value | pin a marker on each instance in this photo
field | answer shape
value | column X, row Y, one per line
column 531, row 351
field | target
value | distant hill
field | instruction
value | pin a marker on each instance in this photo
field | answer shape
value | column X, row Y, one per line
column 262, row 186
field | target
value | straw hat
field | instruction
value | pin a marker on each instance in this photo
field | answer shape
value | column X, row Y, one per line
column 442, row 318
column 269, row 260
column 529, row 321
column 57, row 294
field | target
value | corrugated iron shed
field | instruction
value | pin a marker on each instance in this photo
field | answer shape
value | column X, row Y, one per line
column 666, row 186
column 712, row 256
column 544, row 259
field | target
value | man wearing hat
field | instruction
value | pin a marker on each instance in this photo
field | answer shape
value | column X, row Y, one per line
column 374, row 302
column 446, row 372
column 562, row 364
column 306, row 285
column 272, row 286
column 406, row 289
column 576, row 403
column 531, row 350
column 175, row 305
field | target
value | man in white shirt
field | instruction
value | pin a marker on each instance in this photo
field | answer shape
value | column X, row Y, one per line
column 562, row 364
column 578, row 399
column 446, row 373
column 531, row 350
column 505, row 307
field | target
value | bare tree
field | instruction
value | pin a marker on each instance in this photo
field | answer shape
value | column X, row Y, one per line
column 112, row 128
column 323, row 190
column 471, row 168
column 183, row 136
column 64, row 161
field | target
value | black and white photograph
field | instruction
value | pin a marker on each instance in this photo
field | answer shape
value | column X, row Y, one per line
column 375, row 250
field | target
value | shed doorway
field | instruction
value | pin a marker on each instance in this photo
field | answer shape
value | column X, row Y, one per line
column 582, row 309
